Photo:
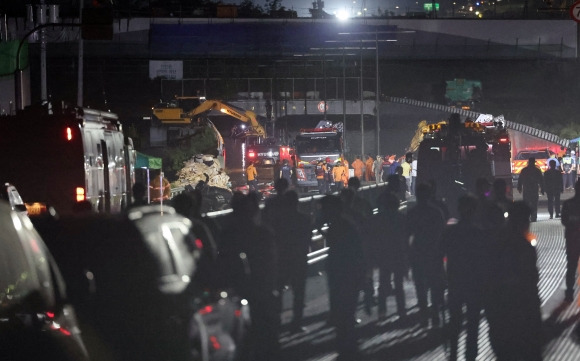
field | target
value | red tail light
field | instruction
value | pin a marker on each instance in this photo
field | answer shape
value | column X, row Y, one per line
column 251, row 154
column 207, row 309
column 215, row 342
column 80, row 194
column 69, row 133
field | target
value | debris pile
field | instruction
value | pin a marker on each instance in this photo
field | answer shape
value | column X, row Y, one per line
column 202, row 168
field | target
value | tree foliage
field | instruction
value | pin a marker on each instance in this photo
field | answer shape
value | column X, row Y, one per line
column 247, row 9
column 177, row 154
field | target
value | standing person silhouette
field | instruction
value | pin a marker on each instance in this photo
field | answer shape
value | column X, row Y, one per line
column 387, row 249
column 139, row 195
column 286, row 171
column 554, row 187
column 425, row 225
column 463, row 244
column 250, row 259
column 345, row 271
column 293, row 233
column 512, row 302
column 571, row 222
column 531, row 182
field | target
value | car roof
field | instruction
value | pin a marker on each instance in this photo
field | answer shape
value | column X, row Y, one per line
column 536, row 153
column 9, row 193
column 23, row 252
column 159, row 245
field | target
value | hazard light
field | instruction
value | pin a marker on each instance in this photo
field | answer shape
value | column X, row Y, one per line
column 80, row 194
column 36, row 208
column 68, row 134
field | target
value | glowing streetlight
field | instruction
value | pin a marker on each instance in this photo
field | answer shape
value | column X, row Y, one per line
column 342, row 15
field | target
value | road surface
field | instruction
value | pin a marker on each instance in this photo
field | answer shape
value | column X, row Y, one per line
column 386, row 340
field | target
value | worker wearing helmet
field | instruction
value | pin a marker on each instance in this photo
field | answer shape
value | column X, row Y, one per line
column 320, row 171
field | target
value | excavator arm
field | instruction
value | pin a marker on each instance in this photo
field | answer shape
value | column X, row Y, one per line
column 246, row 116
column 168, row 115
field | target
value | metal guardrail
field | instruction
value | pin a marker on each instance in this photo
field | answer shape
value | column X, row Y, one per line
column 538, row 133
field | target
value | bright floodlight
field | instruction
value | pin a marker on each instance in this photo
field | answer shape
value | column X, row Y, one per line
column 342, row 15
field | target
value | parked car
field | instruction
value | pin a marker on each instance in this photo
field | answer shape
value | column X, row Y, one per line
column 520, row 161
column 132, row 277
column 37, row 322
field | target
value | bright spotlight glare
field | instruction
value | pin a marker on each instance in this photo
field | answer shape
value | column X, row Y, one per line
column 342, row 15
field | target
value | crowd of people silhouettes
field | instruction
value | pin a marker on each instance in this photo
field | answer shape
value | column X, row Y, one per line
column 480, row 265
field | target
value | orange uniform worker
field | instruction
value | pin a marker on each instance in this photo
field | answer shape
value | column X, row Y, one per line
column 359, row 167
column 369, row 174
column 339, row 175
column 160, row 188
column 345, row 165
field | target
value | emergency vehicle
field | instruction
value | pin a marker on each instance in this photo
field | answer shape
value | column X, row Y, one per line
column 265, row 157
column 61, row 157
column 455, row 154
column 520, row 161
column 322, row 142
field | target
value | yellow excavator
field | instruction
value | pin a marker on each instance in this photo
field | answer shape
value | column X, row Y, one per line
column 174, row 113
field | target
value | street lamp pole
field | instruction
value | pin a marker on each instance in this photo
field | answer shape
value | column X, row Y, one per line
column 362, row 123
column 80, row 70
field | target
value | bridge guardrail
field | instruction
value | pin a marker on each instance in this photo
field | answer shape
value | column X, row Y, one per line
column 526, row 129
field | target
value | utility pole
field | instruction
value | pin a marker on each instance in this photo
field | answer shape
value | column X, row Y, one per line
column 377, row 96
column 42, row 20
column 344, row 102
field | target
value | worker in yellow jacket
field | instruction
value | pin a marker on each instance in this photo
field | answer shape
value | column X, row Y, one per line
column 252, row 177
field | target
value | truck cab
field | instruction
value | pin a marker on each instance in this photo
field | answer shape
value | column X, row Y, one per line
column 521, row 160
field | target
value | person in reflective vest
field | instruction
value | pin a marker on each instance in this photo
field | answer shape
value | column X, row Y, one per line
column 160, row 189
